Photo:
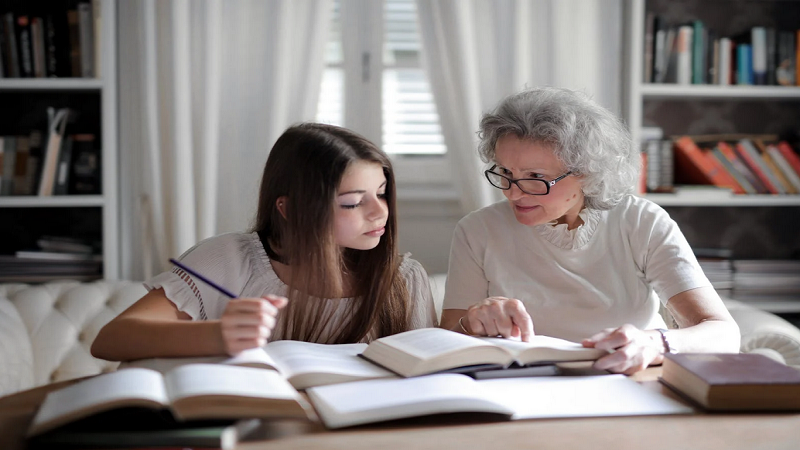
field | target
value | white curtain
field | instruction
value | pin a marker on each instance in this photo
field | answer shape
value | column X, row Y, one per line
column 206, row 87
column 478, row 51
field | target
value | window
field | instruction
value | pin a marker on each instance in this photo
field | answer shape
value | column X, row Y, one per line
column 395, row 108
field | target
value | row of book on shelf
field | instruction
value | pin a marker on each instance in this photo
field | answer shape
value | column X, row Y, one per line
column 415, row 373
column 744, row 164
column 53, row 258
column 50, row 162
column 43, row 39
column 692, row 53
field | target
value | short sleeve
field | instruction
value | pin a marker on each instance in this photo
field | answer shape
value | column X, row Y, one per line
column 466, row 280
column 665, row 256
column 423, row 312
column 222, row 259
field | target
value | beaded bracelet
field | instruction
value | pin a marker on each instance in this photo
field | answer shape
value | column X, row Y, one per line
column 668, row 348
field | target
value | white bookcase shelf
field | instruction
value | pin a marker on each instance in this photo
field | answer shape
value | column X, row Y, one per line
column 667, row 91
column 104, row 89
column 695, row 199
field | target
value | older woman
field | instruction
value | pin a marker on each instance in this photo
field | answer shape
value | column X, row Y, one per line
column 572, row 253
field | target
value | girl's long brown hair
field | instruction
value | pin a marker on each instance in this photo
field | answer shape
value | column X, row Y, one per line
column 306, row 165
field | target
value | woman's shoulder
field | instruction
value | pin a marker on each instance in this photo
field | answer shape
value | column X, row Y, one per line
column 492, row 214
column 637, row 207
column 411, row 267
column 226, row 243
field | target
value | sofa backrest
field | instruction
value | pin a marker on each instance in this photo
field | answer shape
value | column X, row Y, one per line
column 50, row 336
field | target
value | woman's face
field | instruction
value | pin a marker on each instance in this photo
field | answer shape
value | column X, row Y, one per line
column 520, row 158
column 361, row 210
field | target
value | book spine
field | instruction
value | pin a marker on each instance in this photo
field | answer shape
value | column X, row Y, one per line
column 740, row 179
column 741, row 167
column 11, row 45
column 772, row 55
column 684, row 55
column 791, row 157
column 21, row 165
column 743, row 65
column 24, row 46
column 9, row 164
column 39, row 53
column 698, row 49
column 750, row 156
column 758, row 38
column 724, row 61
column 74, row 43
column 86, row 39
column 783, row 165
column 777, row 174
column 698, row 167
column 64, row 165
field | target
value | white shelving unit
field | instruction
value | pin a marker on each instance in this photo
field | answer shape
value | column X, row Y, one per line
column 106, row 87
column 638, row 93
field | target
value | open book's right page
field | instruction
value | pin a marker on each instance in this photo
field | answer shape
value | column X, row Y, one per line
column 581, row 396
column 546, row 349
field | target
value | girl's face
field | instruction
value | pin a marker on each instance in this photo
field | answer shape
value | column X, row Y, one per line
column 520, row 158
column 360, row 211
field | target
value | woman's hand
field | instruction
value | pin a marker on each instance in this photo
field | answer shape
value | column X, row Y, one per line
column 248, row 322
column 633, row 349
column 499, row 316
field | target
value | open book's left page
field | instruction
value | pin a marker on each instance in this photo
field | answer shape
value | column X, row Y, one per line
column 132, row 387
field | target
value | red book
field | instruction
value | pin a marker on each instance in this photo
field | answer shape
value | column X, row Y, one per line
column 755, row 166
column 695, row 166
column 790, row 156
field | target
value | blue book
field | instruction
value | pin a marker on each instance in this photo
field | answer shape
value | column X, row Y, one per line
column 744, row 65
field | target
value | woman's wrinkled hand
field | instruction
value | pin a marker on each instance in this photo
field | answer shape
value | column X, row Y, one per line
column 632, row 349
column 248, row 322
column 499, row 316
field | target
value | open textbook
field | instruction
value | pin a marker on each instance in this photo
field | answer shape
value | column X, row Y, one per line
column 189, row 392
column 303, row 364
column 363, row 402
column 430, row 350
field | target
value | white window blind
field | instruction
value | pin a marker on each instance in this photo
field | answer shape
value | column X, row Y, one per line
column 410, row 124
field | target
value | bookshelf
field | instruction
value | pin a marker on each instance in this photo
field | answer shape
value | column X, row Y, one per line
column 93, row 216
column 755, row 227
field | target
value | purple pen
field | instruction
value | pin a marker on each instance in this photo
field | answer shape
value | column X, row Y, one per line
column 203, row 279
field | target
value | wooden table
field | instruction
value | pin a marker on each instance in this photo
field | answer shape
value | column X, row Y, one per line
column 700, row 431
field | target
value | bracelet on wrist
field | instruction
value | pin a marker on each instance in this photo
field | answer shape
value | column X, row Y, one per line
column 461, row 324
column 668, row 348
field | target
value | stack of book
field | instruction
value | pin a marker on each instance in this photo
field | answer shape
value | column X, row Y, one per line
column 717, row 264
column 767, row 281
column 55, row 258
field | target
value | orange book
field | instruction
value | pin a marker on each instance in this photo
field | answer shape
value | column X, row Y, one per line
column 695, row 166
column 790, row 156
column 749, row 155
column 741, row 167
column 773, row 166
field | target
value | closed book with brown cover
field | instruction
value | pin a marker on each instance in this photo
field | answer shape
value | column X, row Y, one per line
column 733, row 381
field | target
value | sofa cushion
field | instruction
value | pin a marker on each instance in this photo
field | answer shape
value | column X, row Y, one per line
column 16, row 356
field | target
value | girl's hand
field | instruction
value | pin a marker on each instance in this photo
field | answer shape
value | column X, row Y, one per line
column 633, row 349
column 499, row 316
column 248, row 322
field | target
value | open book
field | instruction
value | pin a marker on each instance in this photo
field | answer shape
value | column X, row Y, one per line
column 189, row 392
column 303, row 364
column 430, row 350
column 362, row 402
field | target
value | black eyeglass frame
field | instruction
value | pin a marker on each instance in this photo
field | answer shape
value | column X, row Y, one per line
column 548, row 184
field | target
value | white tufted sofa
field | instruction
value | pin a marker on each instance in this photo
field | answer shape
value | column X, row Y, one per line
column 46, row 330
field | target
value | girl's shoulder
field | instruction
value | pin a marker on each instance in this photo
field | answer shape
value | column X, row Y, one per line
column 411, row 268
column 229, row 244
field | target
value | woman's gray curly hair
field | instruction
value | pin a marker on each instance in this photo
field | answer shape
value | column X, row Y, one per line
column 588, row 139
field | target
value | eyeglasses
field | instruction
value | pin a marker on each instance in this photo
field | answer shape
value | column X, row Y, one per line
column 531, row 186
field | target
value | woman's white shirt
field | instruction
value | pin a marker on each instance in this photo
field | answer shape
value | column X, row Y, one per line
column 611, row 270
column 239, row 263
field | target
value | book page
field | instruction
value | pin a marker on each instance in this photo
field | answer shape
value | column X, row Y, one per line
column 254, row 357
column 319, row 364
column 224, row 380
column 361, row 402
column 579, row 396
column 545, row 348
column 427, row 343
column 98, row 394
